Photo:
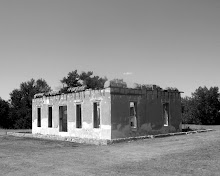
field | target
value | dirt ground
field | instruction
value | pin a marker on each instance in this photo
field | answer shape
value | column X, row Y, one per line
column 194, row 154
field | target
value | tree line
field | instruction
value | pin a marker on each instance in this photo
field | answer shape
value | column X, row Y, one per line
column 17, row 112
column 202, row 107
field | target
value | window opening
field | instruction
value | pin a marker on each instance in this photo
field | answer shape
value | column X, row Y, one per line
column 133, row 115
column 96, row 114
column 38, row 117
column 166, row 114
column 78, row 116
column 63, row 118
column 50, row 117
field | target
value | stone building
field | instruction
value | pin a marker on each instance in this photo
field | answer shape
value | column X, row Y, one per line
column 111, row 113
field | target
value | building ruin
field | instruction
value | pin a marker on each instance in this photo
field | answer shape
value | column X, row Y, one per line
column 110, row 113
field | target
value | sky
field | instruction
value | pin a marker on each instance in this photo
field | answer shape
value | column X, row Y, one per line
column 170, row 43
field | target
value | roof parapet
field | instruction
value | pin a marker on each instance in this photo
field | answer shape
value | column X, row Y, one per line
column 53, row 93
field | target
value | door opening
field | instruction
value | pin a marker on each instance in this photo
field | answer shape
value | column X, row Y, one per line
column 63, row 118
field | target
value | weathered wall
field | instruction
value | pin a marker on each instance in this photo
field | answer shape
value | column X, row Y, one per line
column 86, row 98
column 149, row 112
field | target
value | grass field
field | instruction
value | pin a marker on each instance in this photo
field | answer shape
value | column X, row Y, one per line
column 194, row 154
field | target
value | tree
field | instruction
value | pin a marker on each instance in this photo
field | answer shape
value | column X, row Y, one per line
column 87, row 79
column 94, row 82
column 189, row 106
column 21, row 102
column 207, row 105
column 4, row 111
column 203, row 107
column 71, row 80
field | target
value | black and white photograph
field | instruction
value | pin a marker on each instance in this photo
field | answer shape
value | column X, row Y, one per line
column 109, row 87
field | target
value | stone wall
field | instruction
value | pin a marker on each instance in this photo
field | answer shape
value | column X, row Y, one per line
column 149, row 111
column 86, row 99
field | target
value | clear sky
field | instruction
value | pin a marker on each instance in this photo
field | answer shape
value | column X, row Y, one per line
column 173, row 43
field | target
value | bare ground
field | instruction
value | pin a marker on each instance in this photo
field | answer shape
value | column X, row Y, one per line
column 194, row 154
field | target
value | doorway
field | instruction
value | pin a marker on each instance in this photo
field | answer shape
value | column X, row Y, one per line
column 63, row 118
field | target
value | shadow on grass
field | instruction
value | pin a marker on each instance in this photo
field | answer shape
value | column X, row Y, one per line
column 187, row 129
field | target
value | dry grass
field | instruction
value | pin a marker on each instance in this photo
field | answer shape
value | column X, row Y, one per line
column 3, row 131
column 195, row 154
